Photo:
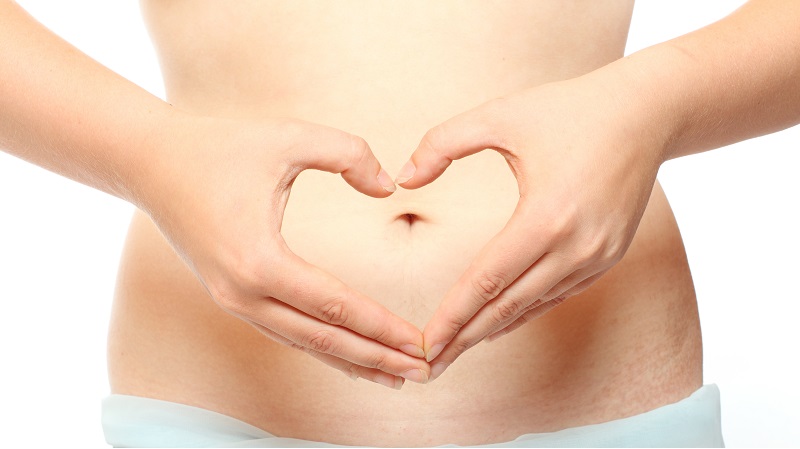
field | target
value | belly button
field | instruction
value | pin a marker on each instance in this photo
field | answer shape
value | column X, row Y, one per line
column 409, row 218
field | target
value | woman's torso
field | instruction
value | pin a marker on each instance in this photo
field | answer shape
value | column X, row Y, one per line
column 388, row 72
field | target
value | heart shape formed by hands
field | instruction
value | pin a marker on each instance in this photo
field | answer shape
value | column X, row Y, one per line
column 561, row 238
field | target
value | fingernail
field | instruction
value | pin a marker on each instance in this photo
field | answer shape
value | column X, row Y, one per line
column 388, row 380
column 386, row 181
column 415, row 375
column 406, row 172
column 438, row 369
column 434, row 351
column 413, row 350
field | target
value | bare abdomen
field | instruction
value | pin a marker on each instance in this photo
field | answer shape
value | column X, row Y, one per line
column 628, row 344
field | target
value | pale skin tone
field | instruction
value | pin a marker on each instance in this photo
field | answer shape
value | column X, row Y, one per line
column 57, row 124
column 612, row 129
column 667, row 101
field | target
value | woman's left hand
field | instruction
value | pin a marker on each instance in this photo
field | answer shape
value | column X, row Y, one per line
column 585, row 159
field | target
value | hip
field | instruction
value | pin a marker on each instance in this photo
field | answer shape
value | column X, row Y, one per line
column 628, row 344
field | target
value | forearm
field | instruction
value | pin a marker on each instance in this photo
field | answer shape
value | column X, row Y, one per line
column 730, row 81
column 65, row 112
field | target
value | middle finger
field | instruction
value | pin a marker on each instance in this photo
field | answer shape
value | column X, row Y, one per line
column 502, row 310
column 319, row 336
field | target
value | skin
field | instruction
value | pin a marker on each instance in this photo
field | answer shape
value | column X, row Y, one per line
column 673, row 100
column 73, row 136
column 137, row 148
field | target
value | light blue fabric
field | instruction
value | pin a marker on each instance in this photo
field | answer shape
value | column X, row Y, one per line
column 131, row 421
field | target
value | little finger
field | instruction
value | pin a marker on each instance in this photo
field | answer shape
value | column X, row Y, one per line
column 349, row 369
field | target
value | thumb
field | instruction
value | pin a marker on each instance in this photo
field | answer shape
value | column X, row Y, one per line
column 458, row 137
column 323, row 148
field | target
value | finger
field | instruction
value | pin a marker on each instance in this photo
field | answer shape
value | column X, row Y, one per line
column 516, row 300
column 503, row 310
column 507, row 255
column 354, row 371
column 568, row 282
column 332, row 150
column 538, row 308
column 324, row 297
column 534, row 311
column 349, row 369
column 314, row 335
column 582, row 286
column 458, row 137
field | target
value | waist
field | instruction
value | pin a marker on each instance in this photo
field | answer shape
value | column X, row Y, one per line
column 628, row 344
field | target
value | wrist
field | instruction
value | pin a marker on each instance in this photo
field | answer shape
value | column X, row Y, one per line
column 160, row 156
column 646, row 86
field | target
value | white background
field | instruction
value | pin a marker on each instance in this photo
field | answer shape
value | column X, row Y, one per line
column 60, row 241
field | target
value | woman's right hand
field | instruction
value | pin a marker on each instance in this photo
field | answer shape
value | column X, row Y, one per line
column 218, row 192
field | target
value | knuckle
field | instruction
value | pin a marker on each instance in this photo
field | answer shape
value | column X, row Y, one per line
column 294, row 345
column 381, row 334
column 378, row 361
column 614, row 251
column 227, row 297
column 558, row 229
column 460, row 346
column 359, row 144
column 488, row 284
column 533, row 305
column 433, row 141
column 565, row 223
column 334, row 312
column 548, row 296
column 586, row 250
column 352, row 371
column 505, row 310
column 359, row 150
column 250, row 271
column 321, row 341
column 456, row 322
column 584, row 257
column 564, row 227
column 595, row 244
column 282, row 340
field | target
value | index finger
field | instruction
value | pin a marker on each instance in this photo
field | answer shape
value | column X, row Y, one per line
column 323, row 148
column 463, row 135
column 500, row 262
column 321, row 295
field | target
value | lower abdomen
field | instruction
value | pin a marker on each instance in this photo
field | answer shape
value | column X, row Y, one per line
column 628, row 344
